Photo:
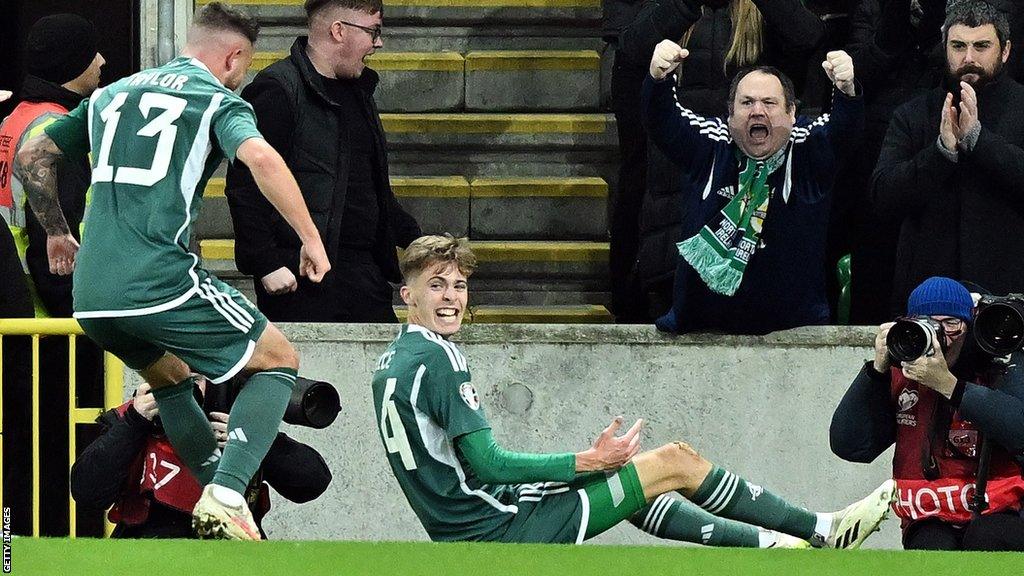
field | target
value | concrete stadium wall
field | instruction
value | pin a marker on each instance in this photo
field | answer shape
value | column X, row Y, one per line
column 760, row 406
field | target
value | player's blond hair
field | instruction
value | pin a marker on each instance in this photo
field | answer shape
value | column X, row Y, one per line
column 429, row 251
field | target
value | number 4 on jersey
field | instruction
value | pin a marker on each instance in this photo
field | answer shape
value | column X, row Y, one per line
column 396, row 441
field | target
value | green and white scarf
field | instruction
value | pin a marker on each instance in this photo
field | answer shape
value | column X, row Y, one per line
column 720, row 254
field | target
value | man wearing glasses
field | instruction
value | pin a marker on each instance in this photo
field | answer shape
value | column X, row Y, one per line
column 934, row 410
column 316, row 108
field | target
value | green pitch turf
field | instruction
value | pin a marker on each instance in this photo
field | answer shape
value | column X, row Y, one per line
column 87, row 557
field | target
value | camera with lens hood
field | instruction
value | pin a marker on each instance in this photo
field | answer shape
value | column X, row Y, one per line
column 999, row 324
column 914, row 336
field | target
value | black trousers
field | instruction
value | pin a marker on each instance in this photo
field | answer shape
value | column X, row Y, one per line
column 355, row 290
column 994, row 532
column 16, row 302
column 628, row 300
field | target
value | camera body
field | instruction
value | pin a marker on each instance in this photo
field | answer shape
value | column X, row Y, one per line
column 914, row 336
column 999, row 324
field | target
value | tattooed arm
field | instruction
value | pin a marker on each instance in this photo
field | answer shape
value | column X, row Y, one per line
column 36, row 168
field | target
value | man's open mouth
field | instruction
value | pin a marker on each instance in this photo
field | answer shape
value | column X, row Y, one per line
column 447, row 312
column 759, row 132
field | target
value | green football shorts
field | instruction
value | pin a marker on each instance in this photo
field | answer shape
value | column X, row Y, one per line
column 560, row 513
column 214, row 332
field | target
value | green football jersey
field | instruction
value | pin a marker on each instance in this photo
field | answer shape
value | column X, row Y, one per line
column 156, row 138
column 424, row 400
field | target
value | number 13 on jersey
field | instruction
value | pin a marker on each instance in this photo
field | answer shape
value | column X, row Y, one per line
column 396, row 441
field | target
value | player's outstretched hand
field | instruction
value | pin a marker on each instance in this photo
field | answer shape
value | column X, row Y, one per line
column 61, row 252
column 313, row 262
column 609, row 451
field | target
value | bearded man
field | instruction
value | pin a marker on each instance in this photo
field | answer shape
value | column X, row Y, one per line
column 952, row 164
column 753, row 255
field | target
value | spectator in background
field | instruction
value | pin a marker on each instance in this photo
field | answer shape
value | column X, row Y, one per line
column 629, row 303
column 316, row 108
column 754, row 229
column 133, row 467
column 63, row 65
column 952, row 164
column 16, row 302
column 723, row 36
column 933, row 409
column 895, row 47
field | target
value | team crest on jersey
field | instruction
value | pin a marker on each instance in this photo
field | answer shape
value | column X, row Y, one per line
column 469, row 395
column 905, row 401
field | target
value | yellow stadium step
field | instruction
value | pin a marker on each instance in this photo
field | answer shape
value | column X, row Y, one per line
column 386, row 61
column 493, row 80
column 460, row 187
column 529, row 126
column 531, row 60
column 486, row 251
column 539, row 208
column 539, row 187
column 413, row 187
column 550, row 208
column 558, row 314
column 443, row 12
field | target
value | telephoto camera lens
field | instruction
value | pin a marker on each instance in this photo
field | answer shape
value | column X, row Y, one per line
column 911, row 338
column 313, row 404
column 999, row 327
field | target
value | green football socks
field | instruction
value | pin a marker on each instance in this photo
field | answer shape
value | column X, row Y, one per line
column 188, row 428
column 680, row 519
column 252, row 426
column 725, row 494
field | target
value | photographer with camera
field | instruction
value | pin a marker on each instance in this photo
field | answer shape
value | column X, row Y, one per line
column 935, row 393
column 133, row 466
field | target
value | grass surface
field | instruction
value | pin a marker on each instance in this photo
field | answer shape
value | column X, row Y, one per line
column 88, row 557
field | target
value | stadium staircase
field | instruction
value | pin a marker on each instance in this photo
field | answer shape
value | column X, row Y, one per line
column 494, row 113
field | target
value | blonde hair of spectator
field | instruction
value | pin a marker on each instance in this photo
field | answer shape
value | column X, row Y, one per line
column 437, row 251
column 747, row 35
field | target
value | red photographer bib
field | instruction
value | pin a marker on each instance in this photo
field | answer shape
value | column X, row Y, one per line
column 945, row 495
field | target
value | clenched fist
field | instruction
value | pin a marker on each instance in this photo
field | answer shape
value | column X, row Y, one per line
column 667, row 57
column 839, row 67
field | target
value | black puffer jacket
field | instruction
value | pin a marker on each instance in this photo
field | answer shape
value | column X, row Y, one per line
column 791, row 35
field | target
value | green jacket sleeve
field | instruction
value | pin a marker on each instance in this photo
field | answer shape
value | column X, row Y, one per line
column 493, row 464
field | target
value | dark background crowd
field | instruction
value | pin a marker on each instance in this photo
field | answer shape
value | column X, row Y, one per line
column 900, row 218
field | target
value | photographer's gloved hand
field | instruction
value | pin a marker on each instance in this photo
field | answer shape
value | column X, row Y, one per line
column 881, row 363
column 145, row 403
column 932, row 372
column 219, row 423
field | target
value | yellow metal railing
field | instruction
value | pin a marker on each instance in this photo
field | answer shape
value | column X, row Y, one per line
column 113, row 385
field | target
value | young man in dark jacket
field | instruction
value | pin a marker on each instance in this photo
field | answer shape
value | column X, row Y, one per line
column 952, row 165
column 316, row 108
column 752, row 258
column 933, row 409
